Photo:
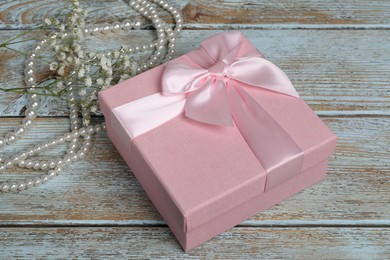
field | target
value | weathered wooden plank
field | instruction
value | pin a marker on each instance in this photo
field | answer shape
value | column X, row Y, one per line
column 336, row 72
column 158, row 242
column 101, row 190
column 213, row 14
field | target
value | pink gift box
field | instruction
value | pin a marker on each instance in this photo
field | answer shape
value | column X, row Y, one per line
column 205, row 178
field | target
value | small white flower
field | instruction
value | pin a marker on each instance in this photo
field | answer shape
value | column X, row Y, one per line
column 116, row 54
column 69, row 59
column 81, row 73
column 53, row 66
column 62, row 27
column 88, row 82
column 65, row 48
column 77, row 61
column 126, row 63
column 100, row 81
column 103, row 60
column 60, row 84
column 124, row 77
column 61, row 56
column 47, row 21
column 93, row 109
column 73, row 19
column 76, row 47
column 82, row 92
column 61, row 71
column 108, row 81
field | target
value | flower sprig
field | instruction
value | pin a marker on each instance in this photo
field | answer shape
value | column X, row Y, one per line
column 87, row 71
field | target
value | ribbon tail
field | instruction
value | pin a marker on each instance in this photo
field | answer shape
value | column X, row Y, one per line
column 271, row 144
column 147, row 113
column 210, row 104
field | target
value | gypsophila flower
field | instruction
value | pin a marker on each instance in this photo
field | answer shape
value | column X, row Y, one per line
column 88, row 82
column 100, row 81
column 108, row 81
column 53, row 66
column 80, row 54
column 65, row 48
column 93, row 109
column 61, row 56
column 47, row 21
column 82, row 92
column 76, row 47
column 61, row 70
column 81, row 73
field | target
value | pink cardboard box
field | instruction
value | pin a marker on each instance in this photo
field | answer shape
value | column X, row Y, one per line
column 206, row 177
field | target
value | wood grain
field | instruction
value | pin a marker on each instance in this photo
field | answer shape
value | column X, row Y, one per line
column 213, row 14
column 101, row 189
column 336, row 54
column 336, row 72
column 159, row 243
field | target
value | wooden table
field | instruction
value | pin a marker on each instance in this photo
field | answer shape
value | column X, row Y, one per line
column 336, row 53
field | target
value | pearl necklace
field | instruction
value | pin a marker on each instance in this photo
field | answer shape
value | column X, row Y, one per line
column 166, row 36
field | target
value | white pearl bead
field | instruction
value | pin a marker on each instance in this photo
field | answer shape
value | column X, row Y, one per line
column 36, row 165
column 5, row 187
column 22, row 163
column 27, row 122
column 81, row 154
column 37, row 181
column 10, row 138
column 29, row 183
column 29, row 164
column 34, row 105
column 44, row 166
column 13, row 187
column 95, row 30
column 127, row 25
column 8, row 163
column 52, row 164
column 20, row 130
column 22, row 186
column 44, row 178
column 116, row 26
column 29, row 71
column 137, row 24
column 2, row 142
column 59, row 161
column 51, row 173
column 30, row 113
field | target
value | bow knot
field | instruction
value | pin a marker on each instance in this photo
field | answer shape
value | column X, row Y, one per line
column 219, row 69
column 207, row 98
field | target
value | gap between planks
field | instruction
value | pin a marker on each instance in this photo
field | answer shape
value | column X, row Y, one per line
column 161, row 223
column 195, row 26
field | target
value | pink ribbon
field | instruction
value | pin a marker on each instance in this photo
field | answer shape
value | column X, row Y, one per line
column 212, row 91
column 208, row 87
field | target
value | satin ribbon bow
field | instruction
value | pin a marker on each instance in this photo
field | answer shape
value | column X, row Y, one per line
column 210, row 88
column 211, row 85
